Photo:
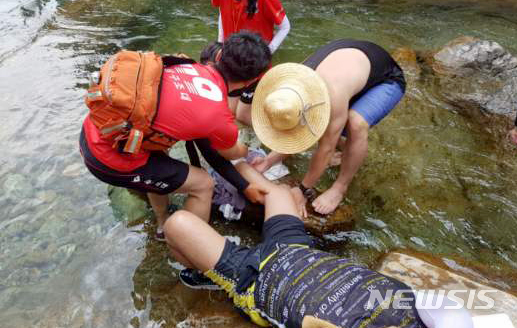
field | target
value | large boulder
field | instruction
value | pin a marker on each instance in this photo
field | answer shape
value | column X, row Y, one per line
column 478, row 74
column 424, row 276
column 408, row 60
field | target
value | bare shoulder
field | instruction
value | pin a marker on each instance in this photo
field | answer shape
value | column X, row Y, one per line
column 345, row 71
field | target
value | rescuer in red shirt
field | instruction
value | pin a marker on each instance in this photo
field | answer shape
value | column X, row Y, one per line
column 192, row 106
column 259, row 16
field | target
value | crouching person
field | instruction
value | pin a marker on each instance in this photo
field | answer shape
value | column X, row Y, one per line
column 167, row 100
column 285, row 282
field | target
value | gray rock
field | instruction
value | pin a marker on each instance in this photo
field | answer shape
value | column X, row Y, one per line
column 422, row 275
column 478, row 73
column 127, row 206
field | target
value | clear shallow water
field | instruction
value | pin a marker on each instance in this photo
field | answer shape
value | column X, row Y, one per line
column 436, row 181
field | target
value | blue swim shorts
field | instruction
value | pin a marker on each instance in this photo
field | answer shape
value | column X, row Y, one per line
column 378, row 102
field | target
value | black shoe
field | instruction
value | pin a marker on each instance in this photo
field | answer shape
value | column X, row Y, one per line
column 196, row 280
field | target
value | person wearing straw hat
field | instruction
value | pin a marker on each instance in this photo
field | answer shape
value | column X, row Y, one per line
column 343, row 89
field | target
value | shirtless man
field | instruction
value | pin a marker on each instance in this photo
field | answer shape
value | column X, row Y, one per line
column 364, row 84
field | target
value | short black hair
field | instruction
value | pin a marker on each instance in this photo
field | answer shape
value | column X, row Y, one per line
column 210, row 52
column 245, row 55
column 252, row 8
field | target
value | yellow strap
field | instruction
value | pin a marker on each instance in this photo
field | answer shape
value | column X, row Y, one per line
column 134, row 141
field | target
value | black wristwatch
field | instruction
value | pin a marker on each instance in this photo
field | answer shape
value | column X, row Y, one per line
column 308, row 193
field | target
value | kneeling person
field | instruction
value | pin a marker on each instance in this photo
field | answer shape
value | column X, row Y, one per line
column 285, row 282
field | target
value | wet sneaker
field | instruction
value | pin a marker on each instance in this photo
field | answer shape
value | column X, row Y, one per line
column 159, row 235
column 196, row 280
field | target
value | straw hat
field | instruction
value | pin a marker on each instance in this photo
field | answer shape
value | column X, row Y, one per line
column 291, row 108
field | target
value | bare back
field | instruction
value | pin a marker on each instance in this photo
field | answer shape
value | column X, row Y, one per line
column 345, row 71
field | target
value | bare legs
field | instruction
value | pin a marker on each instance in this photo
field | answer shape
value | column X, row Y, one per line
column 354, row 153
column 160, row 204
column 199, row 186
column 197, row 245
column 192, row 241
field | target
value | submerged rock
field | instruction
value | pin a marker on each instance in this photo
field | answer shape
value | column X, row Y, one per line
column 341, row 220
column 477, row 73
column 128, row 205
column 214, row 311
column 17, row 187
column 407, row 60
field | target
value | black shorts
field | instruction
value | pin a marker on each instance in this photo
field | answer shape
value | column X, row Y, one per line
column 160, row 175
column 240, row 264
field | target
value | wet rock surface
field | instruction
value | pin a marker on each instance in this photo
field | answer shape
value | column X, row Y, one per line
column 477, row 73
column 434, row 181
column 422, row 275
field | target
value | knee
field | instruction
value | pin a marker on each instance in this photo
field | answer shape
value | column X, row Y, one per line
column 177, row 225
column 357, row 126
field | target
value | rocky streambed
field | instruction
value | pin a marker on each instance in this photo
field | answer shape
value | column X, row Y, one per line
column 436, row 192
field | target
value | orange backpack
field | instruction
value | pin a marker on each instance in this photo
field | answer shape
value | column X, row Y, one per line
column 124, row 101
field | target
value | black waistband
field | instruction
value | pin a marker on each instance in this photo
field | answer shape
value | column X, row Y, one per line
column 383, row 67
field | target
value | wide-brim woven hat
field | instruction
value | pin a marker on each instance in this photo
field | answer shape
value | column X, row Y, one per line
column 291, row 108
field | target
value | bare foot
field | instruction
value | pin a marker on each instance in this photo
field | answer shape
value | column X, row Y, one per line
column 335, row 160
column 328, row 201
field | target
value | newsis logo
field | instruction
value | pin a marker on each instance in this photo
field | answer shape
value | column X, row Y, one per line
column 431, row 299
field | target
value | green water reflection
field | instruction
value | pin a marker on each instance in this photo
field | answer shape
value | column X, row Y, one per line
column 437, row 180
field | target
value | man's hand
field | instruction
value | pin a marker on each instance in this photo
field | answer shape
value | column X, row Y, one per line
column 260, row 164
column 513, row 135
column 255, row 193
column 300, row 201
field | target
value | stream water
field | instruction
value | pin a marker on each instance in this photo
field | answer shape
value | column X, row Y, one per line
column 437, row 181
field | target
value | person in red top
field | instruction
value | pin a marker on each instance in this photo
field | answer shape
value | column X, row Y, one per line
column 192, row 106
column 259, row 16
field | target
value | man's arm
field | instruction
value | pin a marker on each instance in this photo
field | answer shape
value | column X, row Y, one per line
column 326, row 146
column 235, row 152
column 319, row 162
column 254, row 193
column 280, row 35
column 221, row 165
column 220, row 34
